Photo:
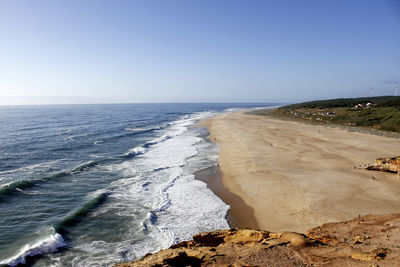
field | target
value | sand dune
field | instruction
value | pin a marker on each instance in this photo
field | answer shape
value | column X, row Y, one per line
column 296, row 176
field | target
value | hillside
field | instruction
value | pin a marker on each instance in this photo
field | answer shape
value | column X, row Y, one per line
column 381, row 113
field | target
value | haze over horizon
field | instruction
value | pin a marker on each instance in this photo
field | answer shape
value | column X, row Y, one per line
column 74, row 52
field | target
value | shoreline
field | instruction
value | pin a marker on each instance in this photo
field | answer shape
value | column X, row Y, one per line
column 239, row 210
column 293, row 176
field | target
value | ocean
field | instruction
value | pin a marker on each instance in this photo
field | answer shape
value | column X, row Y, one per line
column 97, row 185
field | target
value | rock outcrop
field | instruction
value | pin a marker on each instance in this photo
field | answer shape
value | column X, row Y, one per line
column 370, row 240
column 385, row 165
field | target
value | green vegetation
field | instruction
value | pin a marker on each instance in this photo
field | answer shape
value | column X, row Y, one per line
column 382, row 101
column 382, row 113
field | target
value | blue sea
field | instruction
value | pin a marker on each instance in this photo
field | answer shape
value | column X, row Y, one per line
column 97, row 185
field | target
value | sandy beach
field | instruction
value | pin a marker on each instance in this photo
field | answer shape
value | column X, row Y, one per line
column 281, row 175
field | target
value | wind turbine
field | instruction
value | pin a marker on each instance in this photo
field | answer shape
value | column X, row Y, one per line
column 397, row 87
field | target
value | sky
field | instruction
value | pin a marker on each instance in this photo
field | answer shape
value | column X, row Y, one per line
column 93, row 51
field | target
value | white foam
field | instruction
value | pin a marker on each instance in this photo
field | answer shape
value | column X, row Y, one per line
column 184, row 206
column 192, row 208
column 176, row 206
column 135, row 151
column 159, row 139
column 171, row 153
column 161, row 196
column 138, row 129
column 46, row 245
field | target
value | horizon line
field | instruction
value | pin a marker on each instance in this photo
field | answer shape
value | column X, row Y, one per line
column 141, row 103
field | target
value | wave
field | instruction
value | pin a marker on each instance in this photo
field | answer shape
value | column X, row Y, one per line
column 132, row 132
column 48, row 244
column 164, row 200
column 86, row 166
column 151, row 218
column 134, row 152
column 56, row 240
column 157, row 140
column 72, row 147
column 29, row 167
column 142, row 149
column 32, row 128
column 81, row 213
column 143, row 129
column 14, row 186
column 20, row 185
column 162, row 168
column 163, row 230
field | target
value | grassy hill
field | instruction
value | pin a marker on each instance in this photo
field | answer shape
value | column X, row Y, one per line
column 381, row 101
column 382, row 113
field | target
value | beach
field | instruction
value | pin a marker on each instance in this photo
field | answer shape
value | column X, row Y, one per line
column 286, row 175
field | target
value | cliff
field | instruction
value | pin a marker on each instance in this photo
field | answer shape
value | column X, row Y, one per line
column 364, row 241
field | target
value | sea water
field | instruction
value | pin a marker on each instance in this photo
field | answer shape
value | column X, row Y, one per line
column 97, row 185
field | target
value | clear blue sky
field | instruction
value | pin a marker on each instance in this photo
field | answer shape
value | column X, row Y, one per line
column 196, row 51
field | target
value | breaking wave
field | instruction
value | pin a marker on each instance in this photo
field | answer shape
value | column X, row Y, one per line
column 81, row 213
column 46, row 245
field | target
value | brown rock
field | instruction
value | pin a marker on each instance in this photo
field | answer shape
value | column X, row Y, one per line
column 210, row 239
column 246, row 236
column 294, row 238
column 377, row 254
column 373, row 238
column 385, row 165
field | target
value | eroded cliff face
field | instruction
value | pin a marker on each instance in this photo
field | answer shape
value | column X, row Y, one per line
column 364, row 241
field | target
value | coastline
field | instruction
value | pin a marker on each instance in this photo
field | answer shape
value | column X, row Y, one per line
column 293, row 176
column 240, row 214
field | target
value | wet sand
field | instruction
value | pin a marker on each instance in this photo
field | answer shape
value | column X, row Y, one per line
column 281, row 175
column 242, row 215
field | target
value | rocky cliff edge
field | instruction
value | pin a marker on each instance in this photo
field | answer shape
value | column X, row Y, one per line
column 372, row 240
